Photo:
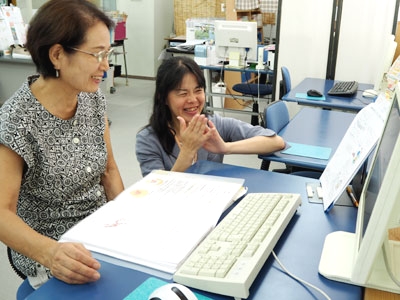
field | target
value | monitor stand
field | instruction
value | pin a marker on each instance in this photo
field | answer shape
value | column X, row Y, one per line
column 338, row 258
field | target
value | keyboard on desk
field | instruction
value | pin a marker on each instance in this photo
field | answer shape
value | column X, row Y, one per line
column 228, row 260
column 344, row 88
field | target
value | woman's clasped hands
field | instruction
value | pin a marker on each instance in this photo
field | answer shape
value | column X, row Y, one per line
column 200, row 133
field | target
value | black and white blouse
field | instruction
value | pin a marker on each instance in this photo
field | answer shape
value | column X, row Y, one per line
column 64, row 162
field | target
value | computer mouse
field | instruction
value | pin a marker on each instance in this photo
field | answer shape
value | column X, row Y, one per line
column 172, row 291
column 370, row 93
column 314, row 93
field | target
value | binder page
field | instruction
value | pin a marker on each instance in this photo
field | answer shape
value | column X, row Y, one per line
column 353, row 150
column 159, row 220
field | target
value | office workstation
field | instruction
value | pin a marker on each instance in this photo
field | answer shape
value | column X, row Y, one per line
column 304, row 258
column 351, row 103
column 301, row 258
column 312, row 122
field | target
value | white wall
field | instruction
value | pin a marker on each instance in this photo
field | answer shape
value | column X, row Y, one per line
column 365, row 28
column 149, row 22
column 304, row 38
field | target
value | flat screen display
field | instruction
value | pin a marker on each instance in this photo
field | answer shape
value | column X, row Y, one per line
column 381, row 163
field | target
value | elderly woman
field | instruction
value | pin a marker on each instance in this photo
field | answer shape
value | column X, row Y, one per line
column 56, row 160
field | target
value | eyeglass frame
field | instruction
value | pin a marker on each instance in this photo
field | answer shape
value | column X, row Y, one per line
column 101, row 55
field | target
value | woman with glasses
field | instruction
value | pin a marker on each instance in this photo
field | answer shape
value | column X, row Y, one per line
column 180, row 132
column 56, row 160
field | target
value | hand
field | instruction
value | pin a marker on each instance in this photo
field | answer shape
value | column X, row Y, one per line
column 194, row 134
column 215, row 143
column 74, row 264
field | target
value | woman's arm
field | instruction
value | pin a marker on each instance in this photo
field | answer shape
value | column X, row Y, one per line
column 111, row 178
column 259, row 144
column 69, row 262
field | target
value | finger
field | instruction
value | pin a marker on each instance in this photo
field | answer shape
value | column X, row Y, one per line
column 182, row 123
column 75, row 263
column 84, row 256
column 210, row 124
column 200, row 124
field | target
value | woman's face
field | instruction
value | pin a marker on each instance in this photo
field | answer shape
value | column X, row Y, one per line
column 83, row 72
column 187, row 100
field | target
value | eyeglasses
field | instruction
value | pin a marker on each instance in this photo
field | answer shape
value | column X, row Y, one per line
column 99, row 55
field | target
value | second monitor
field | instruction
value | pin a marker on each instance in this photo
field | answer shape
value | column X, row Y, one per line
column 236, row 40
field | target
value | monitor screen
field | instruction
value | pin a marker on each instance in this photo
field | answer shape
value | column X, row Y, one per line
column 379, row 206
column 236, row 36
column 359, row 257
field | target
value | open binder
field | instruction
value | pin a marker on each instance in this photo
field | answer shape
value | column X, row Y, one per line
column 157, row 222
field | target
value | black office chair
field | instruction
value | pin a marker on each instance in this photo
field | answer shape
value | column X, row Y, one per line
column 261, row 89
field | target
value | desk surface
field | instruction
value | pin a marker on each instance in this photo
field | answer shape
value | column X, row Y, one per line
column 299, row 249
column 355, row 103
column 316, row 127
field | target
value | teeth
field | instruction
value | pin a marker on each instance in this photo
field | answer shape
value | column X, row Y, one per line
column 97, row 77
column 191, row 109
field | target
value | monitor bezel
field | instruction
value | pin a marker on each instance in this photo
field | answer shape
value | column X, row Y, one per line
column 369, row 242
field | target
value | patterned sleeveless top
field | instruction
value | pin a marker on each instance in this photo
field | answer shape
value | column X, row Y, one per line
column 64, row 162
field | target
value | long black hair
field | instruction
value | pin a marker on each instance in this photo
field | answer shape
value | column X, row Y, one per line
column 169, row 77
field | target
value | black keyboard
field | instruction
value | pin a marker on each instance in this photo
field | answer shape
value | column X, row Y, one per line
column 344, row 88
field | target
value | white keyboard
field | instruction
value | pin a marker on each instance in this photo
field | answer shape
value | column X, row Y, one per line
column 228, row 260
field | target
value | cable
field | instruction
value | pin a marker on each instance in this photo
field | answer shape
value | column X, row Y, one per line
column 298, row 279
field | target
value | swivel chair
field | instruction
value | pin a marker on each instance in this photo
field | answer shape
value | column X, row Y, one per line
column 259, row 90
column 286, row 83
column 276, row 116
column 24, row 290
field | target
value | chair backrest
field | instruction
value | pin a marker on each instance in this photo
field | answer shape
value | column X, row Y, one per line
column 24, row 290
column 287, row 83
column 276, row 115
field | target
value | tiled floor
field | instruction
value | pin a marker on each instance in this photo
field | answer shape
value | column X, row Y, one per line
column 129, row 109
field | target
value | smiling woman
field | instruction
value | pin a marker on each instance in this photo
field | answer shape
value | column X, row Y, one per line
column 181, row 132
column 56, row 159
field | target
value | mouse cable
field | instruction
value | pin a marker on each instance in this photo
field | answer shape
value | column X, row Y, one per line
column 299, row 279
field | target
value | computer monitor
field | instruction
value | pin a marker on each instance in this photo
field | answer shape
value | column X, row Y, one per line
column 236, row 36
column 359, row 258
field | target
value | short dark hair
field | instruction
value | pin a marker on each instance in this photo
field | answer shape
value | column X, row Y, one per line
column 169, row 77
column 63, row 22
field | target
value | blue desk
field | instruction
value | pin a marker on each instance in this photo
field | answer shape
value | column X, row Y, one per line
column 299, row 249
column 313, row 126
column 355, row 103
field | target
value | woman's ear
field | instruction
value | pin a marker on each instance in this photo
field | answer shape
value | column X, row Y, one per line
column 56, row 52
